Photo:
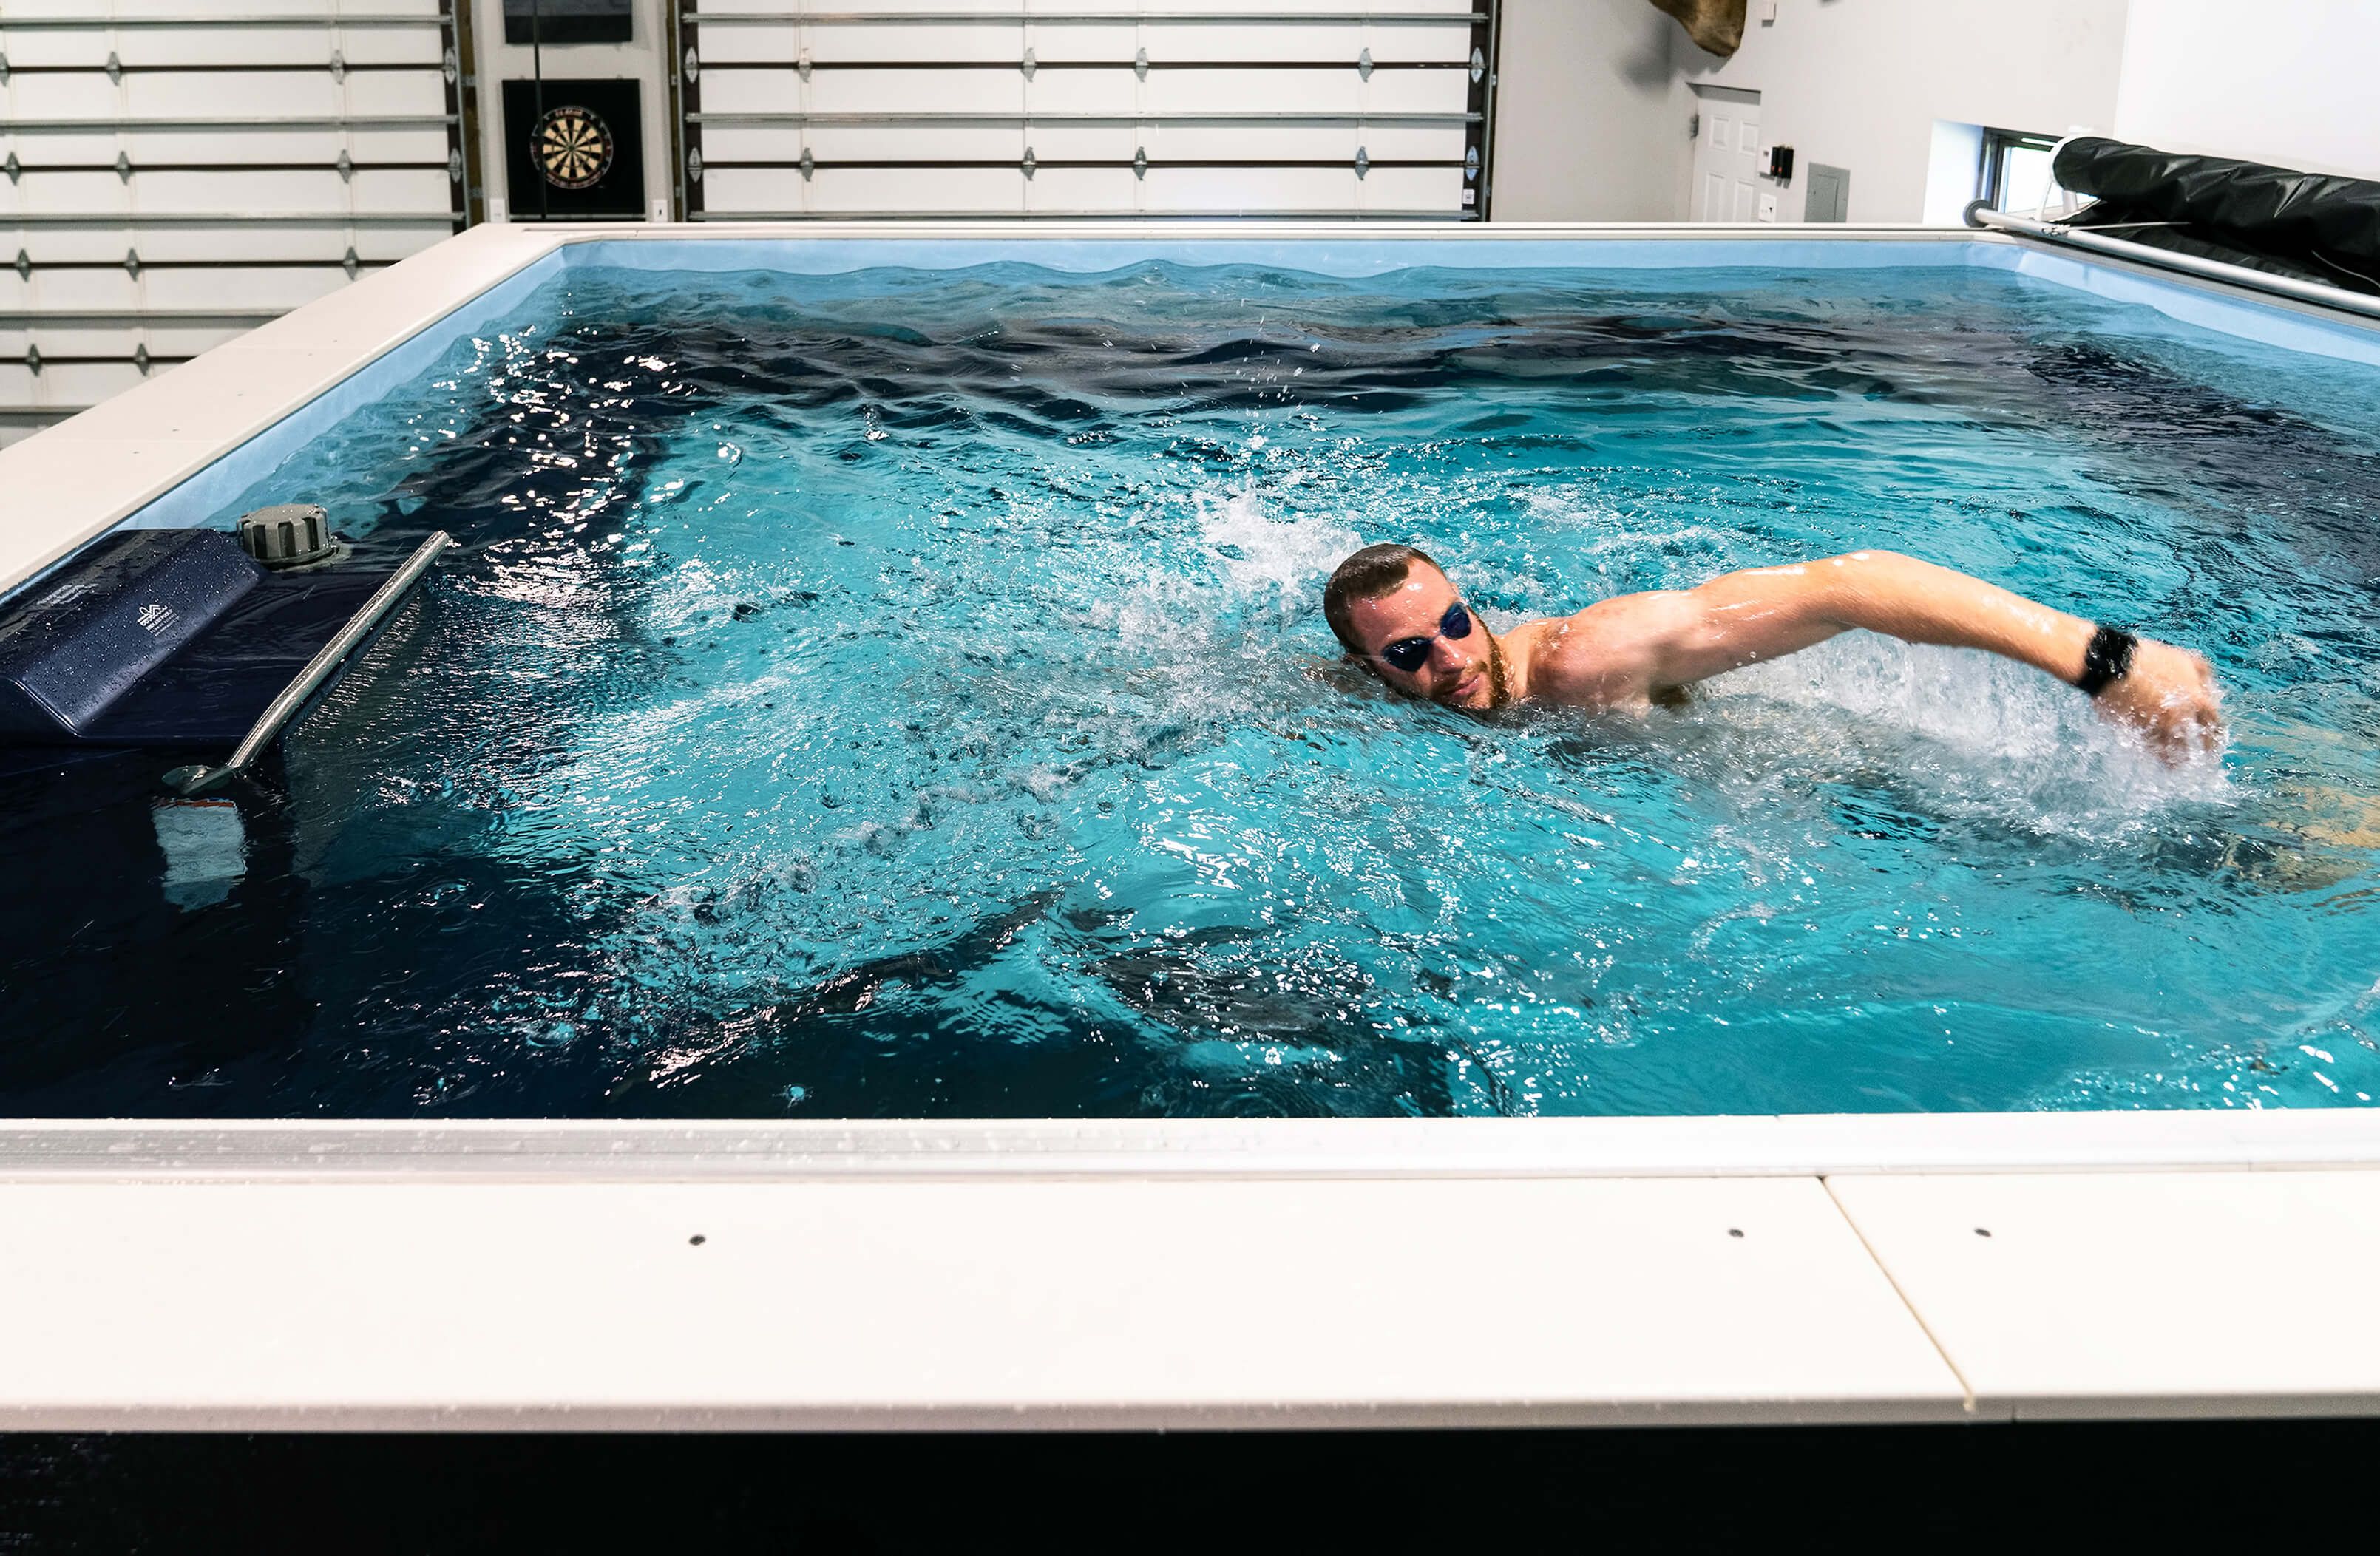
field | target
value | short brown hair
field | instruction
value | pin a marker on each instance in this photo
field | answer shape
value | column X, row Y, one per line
column 1369, row 574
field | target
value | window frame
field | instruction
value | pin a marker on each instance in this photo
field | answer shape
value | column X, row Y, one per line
column 1991, row 174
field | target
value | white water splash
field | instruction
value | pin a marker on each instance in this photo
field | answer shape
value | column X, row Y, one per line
column 1976, row 734
column 1263, row 555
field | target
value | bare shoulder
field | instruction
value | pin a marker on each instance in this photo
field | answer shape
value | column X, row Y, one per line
column 1603, row 656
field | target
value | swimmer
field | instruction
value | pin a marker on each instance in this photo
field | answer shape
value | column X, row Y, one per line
column 1393, row 609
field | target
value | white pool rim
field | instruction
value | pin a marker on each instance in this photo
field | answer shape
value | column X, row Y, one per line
column 276, row 1274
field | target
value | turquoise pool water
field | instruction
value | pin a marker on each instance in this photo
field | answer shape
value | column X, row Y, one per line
column 903, row 694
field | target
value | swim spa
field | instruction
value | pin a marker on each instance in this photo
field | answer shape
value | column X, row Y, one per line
column 885, row 681
column 880, row 680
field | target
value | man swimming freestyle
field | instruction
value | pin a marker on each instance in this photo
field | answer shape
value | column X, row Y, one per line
column 1394, row 609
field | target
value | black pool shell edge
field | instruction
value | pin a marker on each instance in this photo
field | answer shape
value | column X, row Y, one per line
column 1662, row 1487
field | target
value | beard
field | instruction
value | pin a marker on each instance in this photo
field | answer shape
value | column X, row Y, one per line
column 1500, row 690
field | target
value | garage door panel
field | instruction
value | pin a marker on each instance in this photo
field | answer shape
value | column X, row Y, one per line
column 1207, row 42
column 71, row 385
column 730, row 190
column 1094, row 42
column 1070, row 190
column 913, row 143
column 58, row 97
column 1411, row 188
column 393, row 92
column 1060, row 142
column 1212, row 92
column 214, row 95
column 426, row 190
column 1232, row 190
column 727, row 47
column 128, row 226
column 423, row 46
column 751, row 92
column 1001, row 43
column 1269, row 93
column 1418, row 92
column 916, row 91
column 151, row 47
column 70, row 194
column 896, row 190
column 1105, row 90
column 278, row 290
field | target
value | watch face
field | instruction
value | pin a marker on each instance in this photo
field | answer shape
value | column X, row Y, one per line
column 572, row 148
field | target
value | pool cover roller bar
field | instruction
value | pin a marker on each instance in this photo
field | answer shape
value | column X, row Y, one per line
column 2308, row 226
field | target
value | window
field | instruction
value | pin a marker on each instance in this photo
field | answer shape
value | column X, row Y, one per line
column 2016, row 176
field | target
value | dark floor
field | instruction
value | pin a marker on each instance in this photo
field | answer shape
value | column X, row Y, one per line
column 1676, row 1489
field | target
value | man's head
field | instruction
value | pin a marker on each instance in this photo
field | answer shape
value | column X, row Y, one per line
column 1393, row 609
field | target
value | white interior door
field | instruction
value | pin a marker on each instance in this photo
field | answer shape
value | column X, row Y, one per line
column 1726, row 162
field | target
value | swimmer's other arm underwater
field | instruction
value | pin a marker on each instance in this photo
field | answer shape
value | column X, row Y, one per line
column 1393, row 609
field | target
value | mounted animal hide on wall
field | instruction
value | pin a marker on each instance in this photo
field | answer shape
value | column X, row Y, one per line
column 1715, row 26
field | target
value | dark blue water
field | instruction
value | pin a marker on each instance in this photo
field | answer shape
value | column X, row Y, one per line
column 903, row 694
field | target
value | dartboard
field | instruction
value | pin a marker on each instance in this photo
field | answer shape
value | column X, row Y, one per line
column 574, row 148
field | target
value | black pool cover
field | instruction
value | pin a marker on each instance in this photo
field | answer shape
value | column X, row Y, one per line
column 2313, row 226
column 171, row 638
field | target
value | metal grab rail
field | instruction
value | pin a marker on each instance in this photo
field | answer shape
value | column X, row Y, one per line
column 1111, row 18
column 1281, row 117
column 194, row 127
column 133, row 318
column 2189, row 264
column 197, row 778
column 124, row 24
column 112, row 67
column 127, row 169
column 1154, row 67
column 245, row 219
column 1073, row 214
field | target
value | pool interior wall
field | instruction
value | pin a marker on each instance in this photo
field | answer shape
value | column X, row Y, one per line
column 196, row 500
column 205, row 495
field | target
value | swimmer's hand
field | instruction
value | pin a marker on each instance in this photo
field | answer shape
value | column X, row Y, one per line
column 2170, row 696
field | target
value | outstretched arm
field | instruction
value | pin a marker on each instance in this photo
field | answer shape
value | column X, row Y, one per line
column 1640, row 646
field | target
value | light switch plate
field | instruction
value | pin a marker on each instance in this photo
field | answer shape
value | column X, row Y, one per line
column 1768, row 208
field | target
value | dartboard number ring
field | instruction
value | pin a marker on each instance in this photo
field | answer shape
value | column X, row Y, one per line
column 574, row 148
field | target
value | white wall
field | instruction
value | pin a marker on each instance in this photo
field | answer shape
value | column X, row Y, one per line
column 1589, row 125
column 1860, row 84
column 2288, row 81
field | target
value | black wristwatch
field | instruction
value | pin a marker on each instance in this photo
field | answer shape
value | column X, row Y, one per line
column 2107, row 659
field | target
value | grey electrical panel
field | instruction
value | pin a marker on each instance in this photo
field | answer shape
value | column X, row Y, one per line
column 1830, row 194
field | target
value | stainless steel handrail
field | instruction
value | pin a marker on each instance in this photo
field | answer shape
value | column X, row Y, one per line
column 126, row 24
column 1342, row 213
column 196, row 127
column 2189, row 264
column 133, row 318
column 227, row 219
column 198, row 778
column 1047, row 19
column 1155, row 117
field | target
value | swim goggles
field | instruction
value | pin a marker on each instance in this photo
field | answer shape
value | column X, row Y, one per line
column 1407, row 654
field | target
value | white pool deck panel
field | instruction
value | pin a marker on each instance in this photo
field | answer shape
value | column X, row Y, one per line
column 274, row 1275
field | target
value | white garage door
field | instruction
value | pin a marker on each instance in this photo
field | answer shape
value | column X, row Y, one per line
column 841, row 108
column 179, row 170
